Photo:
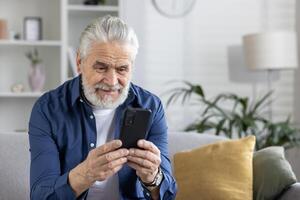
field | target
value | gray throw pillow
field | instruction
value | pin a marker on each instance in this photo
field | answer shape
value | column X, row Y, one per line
column 272, row 173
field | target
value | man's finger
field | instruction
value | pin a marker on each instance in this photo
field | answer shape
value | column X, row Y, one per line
column 108, row 147
column 115, row 170
column 144, row 144
column 140, row 171
column 142, row 162
column 111, row 156
column 114, row 164
column 134, row 166
column 145, row 155
column 105, row 175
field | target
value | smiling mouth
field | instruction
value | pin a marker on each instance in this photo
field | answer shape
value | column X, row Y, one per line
column 107, row 91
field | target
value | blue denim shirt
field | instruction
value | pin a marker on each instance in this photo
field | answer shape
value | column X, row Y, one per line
column 62, row 131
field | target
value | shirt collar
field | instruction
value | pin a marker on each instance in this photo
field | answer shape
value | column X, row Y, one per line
column 77, row 92
column 76, row 89
column 132, row 95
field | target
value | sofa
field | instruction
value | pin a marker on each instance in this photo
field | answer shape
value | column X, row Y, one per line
column 15, row 161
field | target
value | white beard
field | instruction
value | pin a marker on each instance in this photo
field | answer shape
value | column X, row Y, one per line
column 106, row 102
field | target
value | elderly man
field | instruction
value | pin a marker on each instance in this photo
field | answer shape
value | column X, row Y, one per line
column 74, row 129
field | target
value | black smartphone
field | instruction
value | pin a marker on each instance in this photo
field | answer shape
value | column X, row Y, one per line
column 134, row 127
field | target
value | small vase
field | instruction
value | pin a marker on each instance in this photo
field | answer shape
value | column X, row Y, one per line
column 36, row 77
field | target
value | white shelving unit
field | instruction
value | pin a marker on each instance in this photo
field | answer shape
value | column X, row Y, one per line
column 62, row 23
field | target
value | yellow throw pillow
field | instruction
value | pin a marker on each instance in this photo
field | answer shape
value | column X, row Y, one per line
column 218, row 171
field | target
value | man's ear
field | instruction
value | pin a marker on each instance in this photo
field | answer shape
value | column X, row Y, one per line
column 78, row 62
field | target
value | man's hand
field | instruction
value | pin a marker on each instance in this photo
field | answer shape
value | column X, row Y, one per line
column 101, row 163
column 145, row 161
column 104, row 161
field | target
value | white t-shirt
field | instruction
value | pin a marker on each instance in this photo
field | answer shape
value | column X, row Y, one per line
column 108, row 189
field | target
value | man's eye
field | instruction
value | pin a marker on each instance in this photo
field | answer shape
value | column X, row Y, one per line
column 100, row 68
column 122, row 69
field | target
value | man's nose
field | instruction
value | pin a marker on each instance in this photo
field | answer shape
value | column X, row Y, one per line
column 111, row 77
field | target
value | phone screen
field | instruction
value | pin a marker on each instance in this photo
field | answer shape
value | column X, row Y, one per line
column 134, row 127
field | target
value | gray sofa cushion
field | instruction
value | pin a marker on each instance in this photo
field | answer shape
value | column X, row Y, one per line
column 14, row 167
column 180, row 141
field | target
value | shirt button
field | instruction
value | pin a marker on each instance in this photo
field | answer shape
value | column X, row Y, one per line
column 92, row 145
column 81, row 100
column 91, row 116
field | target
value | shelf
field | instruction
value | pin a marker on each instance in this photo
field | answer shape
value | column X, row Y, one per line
column 30, row 43
column 93, row 8
column 21, row 94
column 21, row 131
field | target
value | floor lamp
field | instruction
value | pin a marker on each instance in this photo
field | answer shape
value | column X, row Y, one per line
column 276, row 50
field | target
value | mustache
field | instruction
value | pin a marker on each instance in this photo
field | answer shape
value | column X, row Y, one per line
column 105, row 86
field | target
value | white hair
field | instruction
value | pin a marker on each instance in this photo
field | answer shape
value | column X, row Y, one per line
column 108, row 29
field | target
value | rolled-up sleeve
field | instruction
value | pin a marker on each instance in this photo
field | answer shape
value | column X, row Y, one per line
column 46, row 180
column 158, row 135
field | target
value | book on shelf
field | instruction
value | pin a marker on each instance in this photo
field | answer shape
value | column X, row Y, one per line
column 72, row 60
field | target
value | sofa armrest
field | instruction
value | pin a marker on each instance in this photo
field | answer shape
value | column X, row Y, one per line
column 292, row 193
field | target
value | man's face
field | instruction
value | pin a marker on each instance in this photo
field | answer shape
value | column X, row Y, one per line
column 106, row 73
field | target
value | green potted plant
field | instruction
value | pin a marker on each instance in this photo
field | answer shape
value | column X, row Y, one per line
column 239, row 118
column 33, row 57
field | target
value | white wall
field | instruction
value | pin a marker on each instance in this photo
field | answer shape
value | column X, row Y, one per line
column 205, row 47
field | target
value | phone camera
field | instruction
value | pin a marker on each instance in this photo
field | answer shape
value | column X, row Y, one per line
column 129, row 121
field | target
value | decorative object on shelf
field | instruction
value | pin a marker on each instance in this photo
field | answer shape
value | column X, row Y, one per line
column 33, row 28
column 94, row 2
column 17, row 36
column 3, row 29
column 14, row 35
column 36, row 76
column 17, row 88
column 174, row 8
column 101, row 2
column 270, row 51
column 234, row 116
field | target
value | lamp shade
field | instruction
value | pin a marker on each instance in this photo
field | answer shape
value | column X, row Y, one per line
column 271, row 50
